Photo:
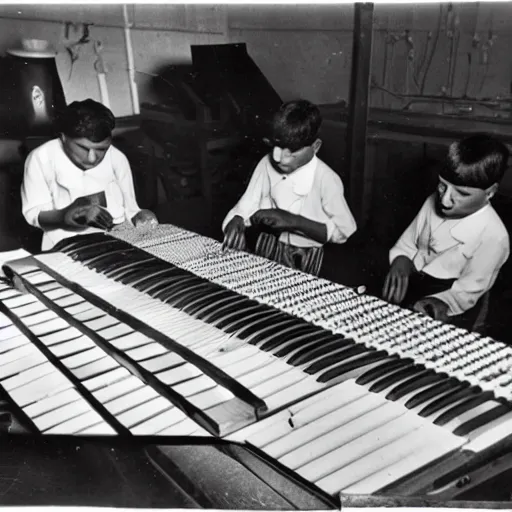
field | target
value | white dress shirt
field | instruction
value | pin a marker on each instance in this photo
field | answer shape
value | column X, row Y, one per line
column 470, row 250
column 313, row 191
column 52, row 181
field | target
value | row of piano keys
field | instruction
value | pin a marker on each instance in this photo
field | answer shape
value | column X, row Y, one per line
column 348, row 435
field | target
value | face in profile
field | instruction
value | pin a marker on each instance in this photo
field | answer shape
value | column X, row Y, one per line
column 84, row 153
column 456, row 201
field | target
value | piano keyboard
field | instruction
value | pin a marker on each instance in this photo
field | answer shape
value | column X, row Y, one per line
column 342, row 415
column 65, row 383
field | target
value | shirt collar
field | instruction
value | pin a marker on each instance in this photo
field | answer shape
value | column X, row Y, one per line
column 471, row 227
column 301, row 179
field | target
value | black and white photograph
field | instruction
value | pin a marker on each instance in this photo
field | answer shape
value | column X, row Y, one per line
column 256, row 256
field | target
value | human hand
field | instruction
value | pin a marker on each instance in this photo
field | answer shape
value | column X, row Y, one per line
column 433, row 307
column 145, row 218
column 81, row 213
column 234, row 234
column 397, row 280
column 273, row 218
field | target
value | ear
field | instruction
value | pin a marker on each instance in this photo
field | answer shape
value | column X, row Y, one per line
column 491, row 191
column 316, row 145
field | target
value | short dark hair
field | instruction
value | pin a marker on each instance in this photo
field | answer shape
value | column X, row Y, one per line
column 295, row 125
column 88, row 119
column 477, row 161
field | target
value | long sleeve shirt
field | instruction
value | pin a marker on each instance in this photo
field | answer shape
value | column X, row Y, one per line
column 313, row 191
column 52, row 181
column 470, row 250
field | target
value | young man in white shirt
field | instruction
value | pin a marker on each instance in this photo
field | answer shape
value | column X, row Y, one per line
column 450, row 255
column 293, row 197
column 79, row 183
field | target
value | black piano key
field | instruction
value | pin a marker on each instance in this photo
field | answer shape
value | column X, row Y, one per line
column 327, row 346
column 186, row 297
column 338, row 355
column 212, row 301
column 110, row 262
column 354, row 364
column 221, row 309
column 175, row 286
column 265, row 329
column 154, row 282
column 409, row 386
column 438, row 390
column 463, row 407
column 155, row 271
column 120, row 269
column 110, row 257
column 376, row 373
column 448, row 399
column 237, row 320
column 395, row 377
column 300, row 332
column 83, row 255
column 483, row 419
column 81, row 242
column 135, row 274
column 316, row 339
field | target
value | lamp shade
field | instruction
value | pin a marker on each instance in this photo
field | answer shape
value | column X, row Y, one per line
column 31, row 94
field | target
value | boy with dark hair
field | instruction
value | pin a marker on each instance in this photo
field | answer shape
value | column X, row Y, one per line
column 293, row 197
column 450, row 255
column 79, row 182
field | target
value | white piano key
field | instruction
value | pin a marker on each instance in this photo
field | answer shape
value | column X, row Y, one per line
column 288, row 377
column 247, row 365
column 38, row 277
column 194, row 386
column 58, row 293
column 106, row 379
column 89, row 314
column 116, row 331
column 12, row 343
column 292, row 393
column 144, row 411
column 55, row 324
column 72, row 347
column 357, row 448
column 274, row 369
column 39, row 318
column 118, row 389
column 356, row 424
column 184, row 428
column 211, row 397
column 179, row 374
column 29, row 374
column 40, row 388
column 147, row 351
column 16, row 353
column 160, row 422
column 490, row 434
column 375, row 461
column 9, row 332
column 46, row 405
column 79, row 308
column 20, row 300
column 61, row 336
column 69, row 301
column 101, row 429
column 425, row 454
column 132, row 340
column 7, row 292
column 101, row 323
column 131, row 399
column 162, row 362
column 94, row 368
column 93, row 354
column 300, row 434
column 77, row 424
column 60, row 415
column 28, row 309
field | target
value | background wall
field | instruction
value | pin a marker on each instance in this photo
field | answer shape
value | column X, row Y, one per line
column 420, row 51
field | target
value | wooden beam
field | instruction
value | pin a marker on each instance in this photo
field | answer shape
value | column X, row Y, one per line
column 359, row 185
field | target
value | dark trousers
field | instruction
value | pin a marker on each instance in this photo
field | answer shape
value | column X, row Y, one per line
column 422, row 285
